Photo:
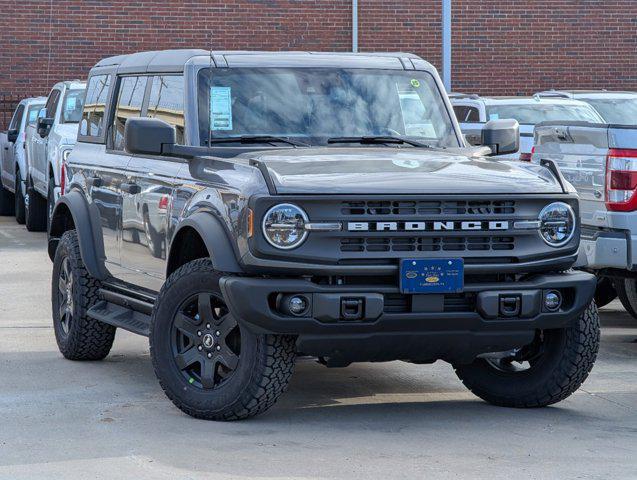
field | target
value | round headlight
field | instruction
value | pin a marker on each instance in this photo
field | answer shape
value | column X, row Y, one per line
column 284, row 226
column 557, row 224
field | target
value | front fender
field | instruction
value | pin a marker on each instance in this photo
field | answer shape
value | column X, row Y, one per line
column 216, row 239
column 73, row 211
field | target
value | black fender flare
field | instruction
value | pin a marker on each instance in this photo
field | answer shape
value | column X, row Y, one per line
column 86, row 222
column 216, row 239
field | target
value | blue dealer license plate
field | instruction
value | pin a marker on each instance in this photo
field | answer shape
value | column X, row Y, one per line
column 440, row 275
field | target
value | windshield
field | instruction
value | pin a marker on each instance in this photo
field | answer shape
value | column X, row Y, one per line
column 532, row 114
column 313, row 105
column 620, row 111
column 72, row 106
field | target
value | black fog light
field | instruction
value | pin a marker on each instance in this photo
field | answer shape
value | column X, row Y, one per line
column 295, row 305
column 552, row 300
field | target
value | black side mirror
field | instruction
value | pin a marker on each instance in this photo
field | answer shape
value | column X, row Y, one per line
column 148, row 136
column 501, row 136
column 12, row 135
column 44, row 125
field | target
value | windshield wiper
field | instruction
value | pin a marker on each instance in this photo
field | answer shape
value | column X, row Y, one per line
column 257, row 139
column 377, row 139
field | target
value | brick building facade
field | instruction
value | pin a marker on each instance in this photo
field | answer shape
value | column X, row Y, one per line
column 498, row 47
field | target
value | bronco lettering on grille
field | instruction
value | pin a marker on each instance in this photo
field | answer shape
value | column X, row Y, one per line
column 426, row 226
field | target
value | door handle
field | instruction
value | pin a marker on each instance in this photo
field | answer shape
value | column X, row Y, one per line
column 94, row 182
column 131, row 188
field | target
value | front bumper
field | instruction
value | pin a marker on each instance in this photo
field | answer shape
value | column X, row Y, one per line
column 427, row 328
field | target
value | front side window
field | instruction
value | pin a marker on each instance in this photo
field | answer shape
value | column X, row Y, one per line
column 92, row 122
column 72, row 106
column 52, row 104
column 32, row 113
column 532, row 114
column 129, row 104
column 315, row 104
column 466, row 113
column 17, row 118
column 167, row 102
column 618, row 111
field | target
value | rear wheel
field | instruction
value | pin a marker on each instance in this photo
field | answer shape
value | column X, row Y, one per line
column 540, row 374
column 73, row 292
column 207, row 364
column 35, row 211
column 19, row 199
column 6, row 202
column 627, row 293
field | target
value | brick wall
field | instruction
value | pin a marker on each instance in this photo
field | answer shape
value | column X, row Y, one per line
column 499, row 47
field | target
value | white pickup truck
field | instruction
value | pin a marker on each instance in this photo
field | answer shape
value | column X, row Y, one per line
column 13, row 165
column 48, row 142
column 600, row 161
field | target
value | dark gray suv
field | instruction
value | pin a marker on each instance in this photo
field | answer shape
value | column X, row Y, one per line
column 240, row 208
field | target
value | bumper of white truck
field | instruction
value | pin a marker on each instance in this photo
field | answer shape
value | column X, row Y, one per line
column 609, row 249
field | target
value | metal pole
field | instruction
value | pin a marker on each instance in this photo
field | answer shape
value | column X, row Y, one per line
column 446, row 44
column 354, row 26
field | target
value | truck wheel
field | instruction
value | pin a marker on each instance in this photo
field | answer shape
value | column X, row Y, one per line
column 6, row 202
column 605, row 292
column 73, row 292
column 627, row 293
column 19, row 199
column 540, row 374
column 35, row 211
column 207, row 364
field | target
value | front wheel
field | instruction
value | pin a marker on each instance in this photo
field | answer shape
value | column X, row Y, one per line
column 19, row 199
column 35, row 211
column 540, row 374
column 206, row 362
column 6, row 201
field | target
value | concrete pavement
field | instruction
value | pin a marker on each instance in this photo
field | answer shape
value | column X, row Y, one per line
column 110, row 419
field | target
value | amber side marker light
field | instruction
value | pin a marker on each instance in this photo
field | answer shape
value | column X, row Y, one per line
column 250, row 222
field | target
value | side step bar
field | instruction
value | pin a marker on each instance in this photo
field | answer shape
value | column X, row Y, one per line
column 122, row 311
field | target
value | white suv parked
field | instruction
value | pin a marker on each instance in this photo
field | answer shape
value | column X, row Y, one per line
column 474, row 111
column 616, row 108
column 48, row 142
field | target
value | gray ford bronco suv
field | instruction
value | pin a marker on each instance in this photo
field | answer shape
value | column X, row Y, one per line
column 242, row 208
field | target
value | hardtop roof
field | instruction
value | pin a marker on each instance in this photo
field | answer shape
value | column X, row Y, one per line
column 174, row 60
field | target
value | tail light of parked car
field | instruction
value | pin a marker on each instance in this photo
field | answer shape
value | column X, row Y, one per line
column 163, row 203
column 621, row 180
column 526, row 157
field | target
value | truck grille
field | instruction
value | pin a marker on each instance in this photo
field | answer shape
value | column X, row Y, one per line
column 427, row 244
column 427, row 207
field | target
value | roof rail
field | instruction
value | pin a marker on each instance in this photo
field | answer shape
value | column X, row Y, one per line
column 553, row 94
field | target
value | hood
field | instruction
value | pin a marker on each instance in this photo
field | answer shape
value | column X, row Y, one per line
column 388, row 170
column 67, row 132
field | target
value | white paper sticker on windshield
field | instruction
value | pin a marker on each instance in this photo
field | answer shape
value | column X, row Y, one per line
column 494, row 116
column 220, row 108
column 71, row 103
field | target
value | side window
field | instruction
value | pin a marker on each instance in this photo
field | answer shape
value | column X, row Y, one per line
column 167, row 102
column 466, row 114
column 32, row 114
column 92, row 123
column 52, row 103
column 16, row 121
column 129, row 104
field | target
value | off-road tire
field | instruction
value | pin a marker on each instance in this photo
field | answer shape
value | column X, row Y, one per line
column 604, row 292
column 87, row 338
column 568, row 362
column 627, row 293
column 19, row 199
column 35, row 211
column 7, row 201
column 263, row 371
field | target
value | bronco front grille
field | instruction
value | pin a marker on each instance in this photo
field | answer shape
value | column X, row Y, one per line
column 427, row 244
column 427, row 207
column 453, row 302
